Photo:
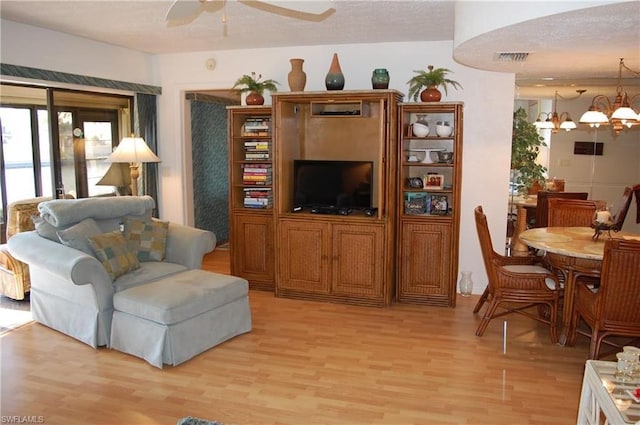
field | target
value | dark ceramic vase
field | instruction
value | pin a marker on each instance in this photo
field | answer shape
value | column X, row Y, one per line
column 335, row 78
column 380, row 78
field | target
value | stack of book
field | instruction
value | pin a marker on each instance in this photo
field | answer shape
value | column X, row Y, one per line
column 256, row 150
column 256, row 126
column 257, row 197
column 256, row 174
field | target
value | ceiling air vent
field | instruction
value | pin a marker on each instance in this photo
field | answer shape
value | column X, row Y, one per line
column 512, row 56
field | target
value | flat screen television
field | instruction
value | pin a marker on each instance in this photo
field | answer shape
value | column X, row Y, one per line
column 340, row 184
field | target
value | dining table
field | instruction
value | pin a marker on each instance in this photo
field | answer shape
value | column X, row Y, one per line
column 574, row 250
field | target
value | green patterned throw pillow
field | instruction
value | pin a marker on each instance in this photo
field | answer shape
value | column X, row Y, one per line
column 112, row 250
column 147, row 239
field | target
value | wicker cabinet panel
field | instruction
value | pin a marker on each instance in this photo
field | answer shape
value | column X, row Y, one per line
column 425, row 266
column 306, row 265
column 252, row 250
column 358, row 260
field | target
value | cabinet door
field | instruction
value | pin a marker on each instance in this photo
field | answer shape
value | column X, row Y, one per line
column 305, row 265
column 357, row 260
column 253, row 250
column 425, row 262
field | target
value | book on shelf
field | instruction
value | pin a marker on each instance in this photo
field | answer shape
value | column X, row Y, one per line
column 257, row 192
column 262, row 168
column 256, row 126
column 250, row 156
column 256, row 144
column 256, row 183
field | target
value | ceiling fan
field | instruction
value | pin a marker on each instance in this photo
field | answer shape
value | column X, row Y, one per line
column 185, row 11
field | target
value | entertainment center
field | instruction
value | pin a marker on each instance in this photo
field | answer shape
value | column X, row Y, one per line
column 333, row 222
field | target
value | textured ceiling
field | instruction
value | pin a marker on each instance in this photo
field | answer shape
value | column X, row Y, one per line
column 576, row 49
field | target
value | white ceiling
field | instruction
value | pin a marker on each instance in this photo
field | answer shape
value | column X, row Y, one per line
column 577, row 49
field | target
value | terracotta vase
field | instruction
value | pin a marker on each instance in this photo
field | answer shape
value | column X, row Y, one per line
column 431, row 94
column 297, row 77
column 335, row 78
column 254, row 98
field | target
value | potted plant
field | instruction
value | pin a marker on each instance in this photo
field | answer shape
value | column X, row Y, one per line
column 430, row 80
column 254, row 88
column 525, row 147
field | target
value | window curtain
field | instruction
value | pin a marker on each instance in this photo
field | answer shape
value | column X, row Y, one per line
column 146, row 126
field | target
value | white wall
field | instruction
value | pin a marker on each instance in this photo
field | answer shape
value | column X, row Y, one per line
column 488, row 99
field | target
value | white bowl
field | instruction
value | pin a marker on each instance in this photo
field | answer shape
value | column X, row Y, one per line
column 420, row 130
column 444, row 130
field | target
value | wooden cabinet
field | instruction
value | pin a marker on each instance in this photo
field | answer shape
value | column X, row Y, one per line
column 251, row 217
column 252, row 250
column 331, row 261
column 429, row 187
column 343, row 258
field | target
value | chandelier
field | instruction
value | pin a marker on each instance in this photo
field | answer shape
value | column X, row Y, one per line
column 619, row 112
column 554, row 121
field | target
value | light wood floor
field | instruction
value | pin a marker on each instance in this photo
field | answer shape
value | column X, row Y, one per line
column 308, row 363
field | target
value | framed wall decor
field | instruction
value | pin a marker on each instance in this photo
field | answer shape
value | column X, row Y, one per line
column 433, row 181
column 588, row 148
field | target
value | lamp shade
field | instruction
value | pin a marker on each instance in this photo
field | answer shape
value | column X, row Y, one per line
column 117, row 175
column 133, row 150
column 568, row 125
column 624, row 113
column 593, row 117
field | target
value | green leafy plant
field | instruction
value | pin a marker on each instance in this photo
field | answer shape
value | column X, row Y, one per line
column 525, row 147
column 252, row 83
column 434, row 77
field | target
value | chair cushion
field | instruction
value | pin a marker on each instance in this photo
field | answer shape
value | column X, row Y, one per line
column 112, row 250
column 551, row 284
column 77, row 236
column 147, row 239
column 180, row 296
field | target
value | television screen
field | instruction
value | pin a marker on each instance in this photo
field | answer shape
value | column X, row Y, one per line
column 340, row 184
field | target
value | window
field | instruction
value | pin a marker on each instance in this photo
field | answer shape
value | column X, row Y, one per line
column 34, row 162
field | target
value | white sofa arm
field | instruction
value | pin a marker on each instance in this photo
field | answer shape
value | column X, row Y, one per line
column 67, row 263
column 187, row 245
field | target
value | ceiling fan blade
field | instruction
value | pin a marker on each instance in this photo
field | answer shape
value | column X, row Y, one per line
column 184, row 10
column 309, row 7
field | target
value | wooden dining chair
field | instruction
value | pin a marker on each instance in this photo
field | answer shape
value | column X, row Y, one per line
column 621, row 214
column 542, row 204
column 613, row 309
column 515, row 284
column 572, row 212
column 636, row 191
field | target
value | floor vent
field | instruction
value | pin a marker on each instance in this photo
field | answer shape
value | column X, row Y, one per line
column 512, row 56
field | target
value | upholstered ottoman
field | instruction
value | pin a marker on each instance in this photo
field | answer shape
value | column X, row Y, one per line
column 178, row 317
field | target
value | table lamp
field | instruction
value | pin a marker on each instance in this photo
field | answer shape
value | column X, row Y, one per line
column 133, row 150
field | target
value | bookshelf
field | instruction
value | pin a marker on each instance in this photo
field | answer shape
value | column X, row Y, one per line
column 251, row 195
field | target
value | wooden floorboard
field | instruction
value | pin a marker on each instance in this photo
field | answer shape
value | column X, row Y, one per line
column 308, row 363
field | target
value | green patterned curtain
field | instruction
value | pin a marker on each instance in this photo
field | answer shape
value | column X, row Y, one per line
column 145, row 124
